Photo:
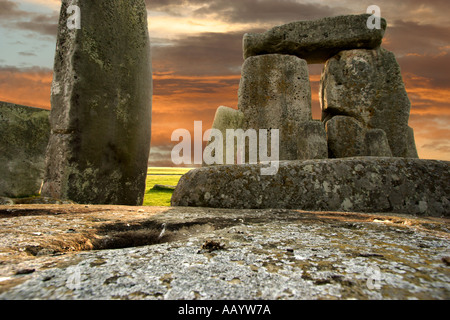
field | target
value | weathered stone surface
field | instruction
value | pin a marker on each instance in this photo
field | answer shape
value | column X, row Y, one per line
column 347, row 137
column 410, row 186
column 101, row 105
column 227, row 118
column 316, row 41
column 24, row 137
column 377, row 144
column 260, row 254
column 275, row 93
column 312, row 141
column 367, row 85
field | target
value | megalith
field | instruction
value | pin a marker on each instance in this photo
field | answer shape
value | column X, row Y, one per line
column 315, row 41
column 101, row 105
column 24, row 135
column 275, row 93
column 367, row 85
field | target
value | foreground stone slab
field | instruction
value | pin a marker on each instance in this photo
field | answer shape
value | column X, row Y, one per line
column 24, row 136
column 315, row 41
column 101, row 105
column 399, row 185
column 368, row 86
column 219, row 254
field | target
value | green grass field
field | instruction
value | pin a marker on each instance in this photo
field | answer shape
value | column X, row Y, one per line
column 164, row 176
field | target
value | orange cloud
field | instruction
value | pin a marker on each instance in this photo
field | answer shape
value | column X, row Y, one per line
column 29, row 87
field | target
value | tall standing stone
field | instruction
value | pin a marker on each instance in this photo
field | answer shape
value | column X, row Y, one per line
column 275, row 93
column 368, row 86
column 101, row 105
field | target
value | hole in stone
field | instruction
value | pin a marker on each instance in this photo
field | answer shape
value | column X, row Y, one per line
column 122, row 235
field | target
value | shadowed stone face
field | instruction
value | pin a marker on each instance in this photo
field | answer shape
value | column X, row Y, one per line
column 315, row 41
column 101, row 105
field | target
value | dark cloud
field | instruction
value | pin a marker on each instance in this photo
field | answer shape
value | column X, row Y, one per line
column 244, row 11
column 14, row 18
column 435, row 69
column 248, row 11
column 205, row 54
column 9, row 9
column 411, row 37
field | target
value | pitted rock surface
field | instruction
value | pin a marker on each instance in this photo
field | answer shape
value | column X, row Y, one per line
column 365, row 184
column 231, row 254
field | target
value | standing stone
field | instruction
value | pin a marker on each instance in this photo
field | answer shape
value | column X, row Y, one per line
column 316, row 41
column 101, row 105
column 227, row 118
column 275, row 93
column 24, row 135
column 367, row 85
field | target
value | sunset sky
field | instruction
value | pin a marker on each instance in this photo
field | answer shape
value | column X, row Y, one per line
column 197, row 58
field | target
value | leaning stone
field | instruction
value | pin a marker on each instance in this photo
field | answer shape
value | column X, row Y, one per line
column 368, row 86
column 24, row 137
column 312, row 141
column 227, row 118
column 275, row 93
column 371, row 185
column 101, row 105
column 316, row 41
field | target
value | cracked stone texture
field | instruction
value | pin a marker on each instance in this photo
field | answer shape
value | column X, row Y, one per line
column 24, row 136
column 101, row 105
column 365, row 184
column 258, row 254
column 368, row 86
column 315, row 41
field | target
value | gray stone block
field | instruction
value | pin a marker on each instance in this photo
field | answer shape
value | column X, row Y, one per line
column 366, row 184
column 275, row 93
column 312, row 141
column 315, row 41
